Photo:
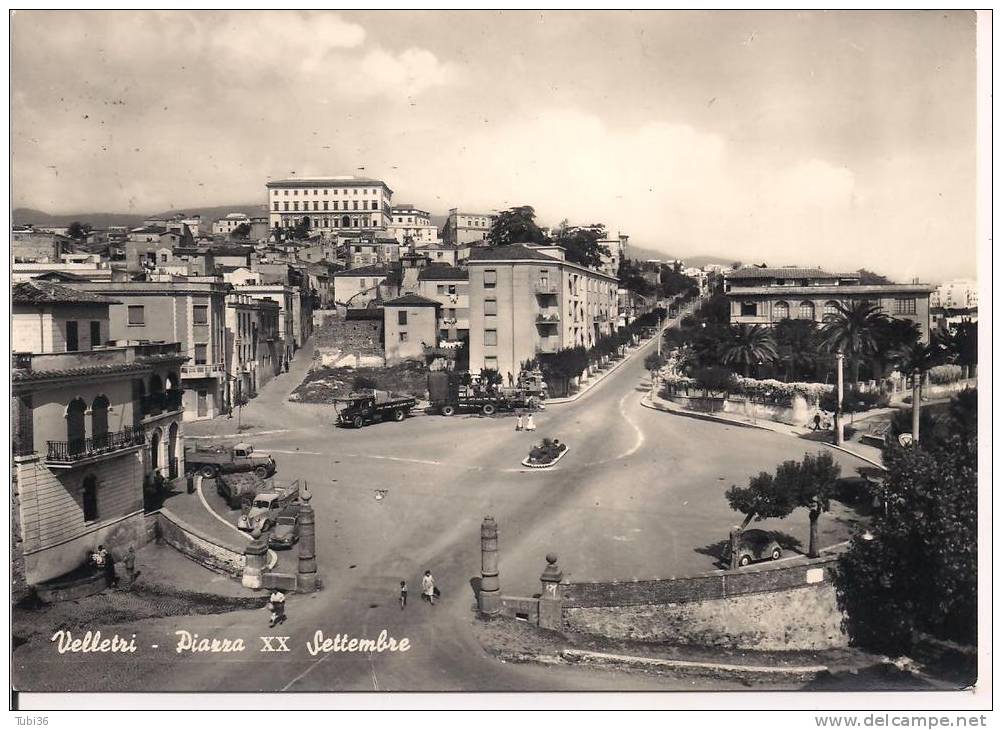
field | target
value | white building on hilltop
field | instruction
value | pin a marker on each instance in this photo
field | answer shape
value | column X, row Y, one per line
column 330, row 203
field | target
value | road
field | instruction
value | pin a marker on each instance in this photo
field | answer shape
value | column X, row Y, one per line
column 640, row 494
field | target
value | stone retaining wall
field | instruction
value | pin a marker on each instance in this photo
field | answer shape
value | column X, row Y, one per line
column 200, row 548
column 786, row 606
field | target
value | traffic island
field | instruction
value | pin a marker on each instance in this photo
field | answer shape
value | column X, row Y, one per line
column 546, row 454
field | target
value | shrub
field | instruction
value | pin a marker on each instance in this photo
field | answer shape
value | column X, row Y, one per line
column 362, row 382
column 943, row 374
column 776, row 392
column 714, row 379
column 546, row 451
column 854, row 401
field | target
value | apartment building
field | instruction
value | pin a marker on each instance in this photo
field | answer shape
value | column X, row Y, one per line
column 411, row 224
column 527, row 300
column 330, row 203
column 450, row 287
column 226, row 225
column 190, row 311
column 769, row 295
column 89, row 428
column 290, row 336
column 469, row 228
column 357, row 286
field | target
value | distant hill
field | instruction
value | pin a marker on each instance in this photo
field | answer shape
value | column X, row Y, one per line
column 22, row 216
column 642, row 254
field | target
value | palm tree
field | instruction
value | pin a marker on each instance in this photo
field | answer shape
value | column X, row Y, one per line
column 916, row 359
column 749, row 345
column 851, row 329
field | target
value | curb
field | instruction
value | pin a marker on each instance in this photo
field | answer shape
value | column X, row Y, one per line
column 525, row 461
column 578, row 657
column 646, row 402
column 593, row 383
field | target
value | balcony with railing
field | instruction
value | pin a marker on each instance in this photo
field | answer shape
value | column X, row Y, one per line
column 547, row 346
column 67, row 454
column 545, row 287
column 155, row 404
column 547, row 318
column 205, row 370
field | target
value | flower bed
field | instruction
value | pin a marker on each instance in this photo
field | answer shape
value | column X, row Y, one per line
column 769, row 392
column 547, row 453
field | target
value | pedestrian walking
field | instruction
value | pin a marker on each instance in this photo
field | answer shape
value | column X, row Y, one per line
column 276, row 604
column 428, row 587
column 518, row 420
column 817, row 421
column 403, row 594
column 530, row 424
column 130, row 565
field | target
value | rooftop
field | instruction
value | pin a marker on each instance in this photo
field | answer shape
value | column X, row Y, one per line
column 370, row 270
column 412, row 300
column 330, row 182
column 443, row 272
column 513, row 252
column 786, row 272
column 129, row 357
column 836, row 289
column 35, row 291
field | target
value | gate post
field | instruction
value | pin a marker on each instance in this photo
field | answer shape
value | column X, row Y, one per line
column 551, row 600
column 255, row 557
column 489, row 598
column 307, row 579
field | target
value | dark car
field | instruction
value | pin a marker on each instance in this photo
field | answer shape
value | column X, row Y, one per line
column 755, row 545
column 285, row 533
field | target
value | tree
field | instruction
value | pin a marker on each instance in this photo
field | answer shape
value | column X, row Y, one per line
column 870, row 277
column 916, row 568
column 916, row 359
column 241, row 232
column 79, row 231
column 750, row 345
column 714, row 379
column 813, row 483
column 631, row 277
column 851, row 330
column 302, row 228
column 515, row 225
column 962, row 347
column 762, row 499
column 797, row 346
column 891, row 336
column 581, row 244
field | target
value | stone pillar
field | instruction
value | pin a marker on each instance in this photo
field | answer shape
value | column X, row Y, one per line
column 256, row 555
column 489, row 598
column 307, row 580
column 551, row 599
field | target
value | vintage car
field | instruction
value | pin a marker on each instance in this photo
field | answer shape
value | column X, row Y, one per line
column 285, row 533
column 755, row 545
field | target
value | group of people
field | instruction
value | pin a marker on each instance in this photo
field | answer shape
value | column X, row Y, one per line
column 429, row 591
column 103, row 561
column 524, row 422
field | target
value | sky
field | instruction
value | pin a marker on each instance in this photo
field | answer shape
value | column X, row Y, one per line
column 838, row 139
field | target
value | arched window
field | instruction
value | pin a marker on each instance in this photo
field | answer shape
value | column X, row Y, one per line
column 806, row 310
column 156, row 384
column 781, row 310
column 76, row 429
column 831, row 308
column 99, row 422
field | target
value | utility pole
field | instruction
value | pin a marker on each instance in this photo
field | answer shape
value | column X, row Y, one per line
column 839, row 358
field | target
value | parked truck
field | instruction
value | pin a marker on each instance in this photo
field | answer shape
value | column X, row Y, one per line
column 364, row 407
column 264, row 510
column 452, row 392
column 240, row 488
column 211, row 461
